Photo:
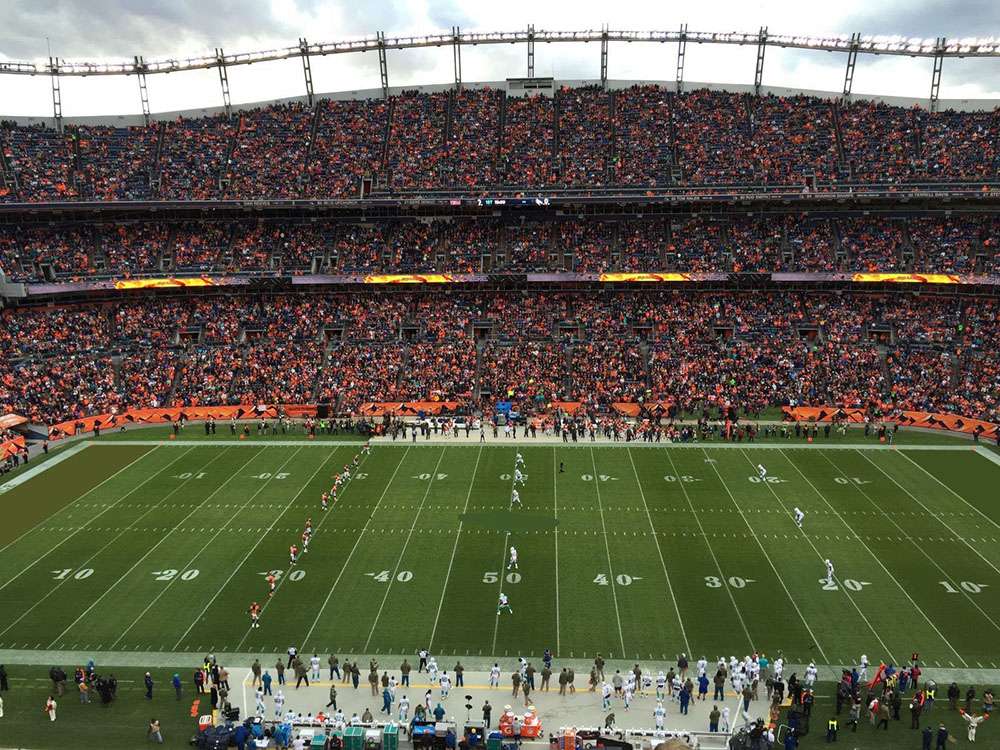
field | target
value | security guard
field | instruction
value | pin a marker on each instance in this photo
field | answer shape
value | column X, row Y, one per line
column 831, row 729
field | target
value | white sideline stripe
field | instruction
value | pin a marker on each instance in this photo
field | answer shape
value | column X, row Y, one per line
column 454, row 549
column 34, row 471
column 357, row 541
column 181, row 485
column 711, row 551
column 988, row 454
column 607, row 549
column 89, row 521
column 406, row 543
column 113, row 539
column 875, row 557
column 78, row 497
column 770, row 562
column 156, row 598
column 542, row 443
column 659, row 551
column 812, row 544
column 260, row 538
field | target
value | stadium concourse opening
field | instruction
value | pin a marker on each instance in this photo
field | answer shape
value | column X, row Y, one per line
column 506, row 407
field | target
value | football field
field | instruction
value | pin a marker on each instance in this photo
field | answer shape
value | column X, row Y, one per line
column 639, row 552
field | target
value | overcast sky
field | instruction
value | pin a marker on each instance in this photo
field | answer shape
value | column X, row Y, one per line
column 117, row 29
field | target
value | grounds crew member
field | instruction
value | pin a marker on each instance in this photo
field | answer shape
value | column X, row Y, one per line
column 831, row 729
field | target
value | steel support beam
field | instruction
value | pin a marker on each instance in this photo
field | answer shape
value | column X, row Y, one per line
column 852, row 59
column 681, row 52
column 140, row 72
column 758, row 75
column 531, row 50
column 456, row 55
column 56, row 94
column 936, row 72
column 604, row 56
column 383, row 64
column 307, row 72
column 224, row 81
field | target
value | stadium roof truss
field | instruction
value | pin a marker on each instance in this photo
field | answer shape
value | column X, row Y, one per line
column 937, row 49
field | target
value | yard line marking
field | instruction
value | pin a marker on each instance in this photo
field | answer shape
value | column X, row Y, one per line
column 820, row 556
column 157, row 597
column 260, row 538
column 136, row 564
column 357, row 541
column 454, row 549
column 770, row 562
column 711, row 551
column 319, row 524
column 607, row 549
column 932, row 514
column 917, row 546
column 268, row 530
column 114, row 539
column 85, row 525
column 555, row 533
column 659, row 551
column 932, row 476
column 503, row 560
column 80, row 497
column 34, row 471
column 402, row 552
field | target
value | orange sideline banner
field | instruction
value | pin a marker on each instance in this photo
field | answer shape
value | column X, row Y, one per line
column 407, row 408
column 12, row 420
column 627, row 409
column 568, row 407
column 929, row 420
column 175, row 413
column 10, row 447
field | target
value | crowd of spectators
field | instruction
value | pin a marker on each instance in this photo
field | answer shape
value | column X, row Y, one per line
column 269, row 154
column 960, row 243
column 116, row 163
column 470, row 139
column 349, row 145
column 696, row 350
column 194, row 157
column 644, row 146
column 585, row 134
column 528, row 143
column 417, row 148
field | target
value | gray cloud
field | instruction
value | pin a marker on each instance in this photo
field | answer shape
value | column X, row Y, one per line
column 926, row 18
column 122, row 28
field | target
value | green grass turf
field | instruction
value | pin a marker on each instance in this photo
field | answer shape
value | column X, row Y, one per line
column 633, row 552
column 122, row 725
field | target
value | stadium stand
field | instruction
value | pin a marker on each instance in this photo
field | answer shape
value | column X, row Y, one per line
column 531, row 344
